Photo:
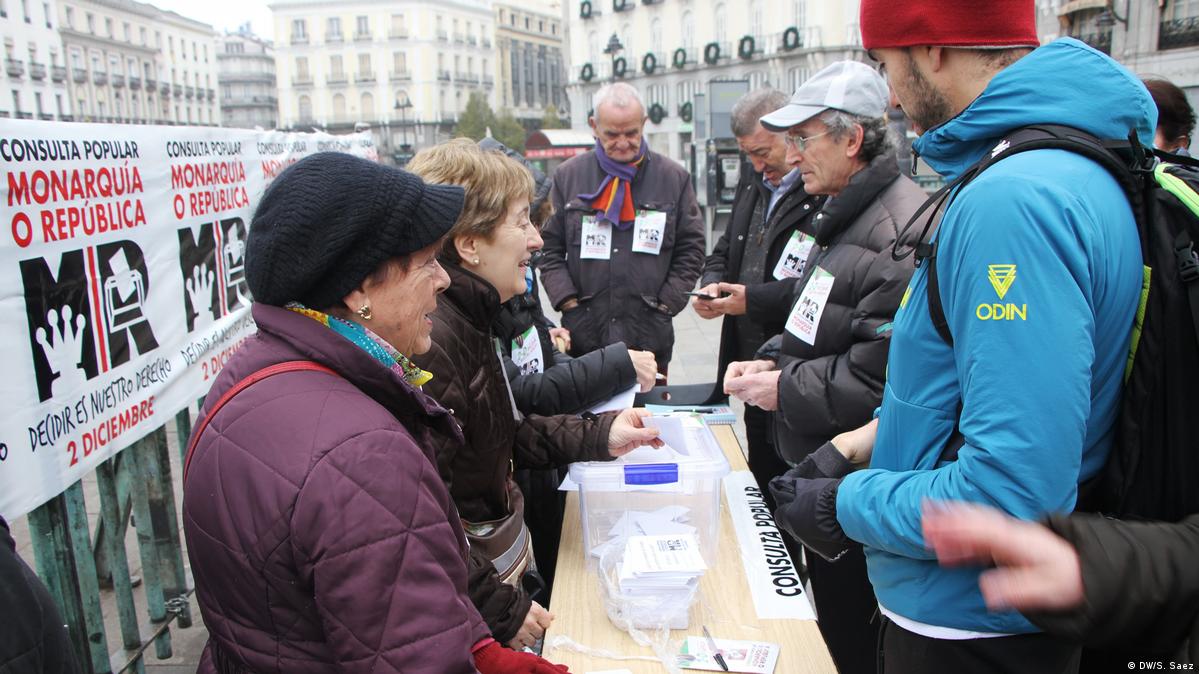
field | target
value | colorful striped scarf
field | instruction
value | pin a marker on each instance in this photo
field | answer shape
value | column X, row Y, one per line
column 614, row 198
column 369, row 342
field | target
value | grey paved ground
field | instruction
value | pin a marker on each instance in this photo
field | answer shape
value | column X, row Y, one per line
column 694, row 361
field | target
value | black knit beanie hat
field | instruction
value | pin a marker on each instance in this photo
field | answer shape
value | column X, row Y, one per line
column 331, row 219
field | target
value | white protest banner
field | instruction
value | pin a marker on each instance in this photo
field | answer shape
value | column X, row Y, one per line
column 774, row 583
column 122, row 282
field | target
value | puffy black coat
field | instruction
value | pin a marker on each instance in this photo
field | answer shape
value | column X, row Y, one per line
column 1141, row 582
column 468, row 377
column 834, row 385
column 745, row 229
column 567, row 385
column 34, row 639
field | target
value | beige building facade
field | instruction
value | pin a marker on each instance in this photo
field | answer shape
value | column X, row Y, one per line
column 130, row 62
column 248, row 94
column 531, row 60
column 35, row 74
column 404, row 68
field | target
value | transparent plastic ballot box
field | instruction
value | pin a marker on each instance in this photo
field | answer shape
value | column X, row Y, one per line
column 673, row 489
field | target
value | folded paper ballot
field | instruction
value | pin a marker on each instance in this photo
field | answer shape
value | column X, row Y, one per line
column 711, row 414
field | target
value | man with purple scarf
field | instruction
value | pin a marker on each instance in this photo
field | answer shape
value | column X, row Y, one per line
column 626, row 242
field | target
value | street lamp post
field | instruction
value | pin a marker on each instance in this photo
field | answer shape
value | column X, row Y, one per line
column 402, row 104
column 613, row 49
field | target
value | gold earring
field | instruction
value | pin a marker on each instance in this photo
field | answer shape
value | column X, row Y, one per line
column 365, row 312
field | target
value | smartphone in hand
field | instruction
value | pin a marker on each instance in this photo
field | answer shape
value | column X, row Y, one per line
column 703, row 296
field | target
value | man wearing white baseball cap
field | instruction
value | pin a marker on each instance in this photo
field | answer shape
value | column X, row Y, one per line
column 824, row 374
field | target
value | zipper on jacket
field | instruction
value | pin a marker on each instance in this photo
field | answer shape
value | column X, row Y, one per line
column 915, row 158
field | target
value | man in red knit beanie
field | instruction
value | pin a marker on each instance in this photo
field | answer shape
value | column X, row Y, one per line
column 1009, row 397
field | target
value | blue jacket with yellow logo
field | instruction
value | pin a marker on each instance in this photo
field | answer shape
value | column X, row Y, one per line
column 1040, row 271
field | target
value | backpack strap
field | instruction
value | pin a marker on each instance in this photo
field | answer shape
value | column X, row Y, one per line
column 1118, row 157
column 253, row 378
column 1184, row 248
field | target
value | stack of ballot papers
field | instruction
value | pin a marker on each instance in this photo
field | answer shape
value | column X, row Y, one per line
column 657, row 578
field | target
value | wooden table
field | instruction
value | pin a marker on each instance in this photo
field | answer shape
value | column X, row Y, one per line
column 725, row 605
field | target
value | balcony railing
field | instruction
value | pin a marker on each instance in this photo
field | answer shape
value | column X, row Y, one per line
column 151, row 84
column 443, row 36
column 165, row 89
column 37, row 71
column 304, row 80
column 189, row 91
column 400, row 76
column 15, row 67
column 299, row 39
column 488, row 80
column 79, row 75
column 58, row 73
column 486, row 43
column 210, row 94
column 135, row 82
column 364, row 77
column 458, row 38
column 1101, row 40
column 336, row 78
column 401, row 34
column 472, row 40
column 1178, row 33
column 363, row 37
column 443, row 75
column 99, row 78
column 334, row 37
column 118, row 80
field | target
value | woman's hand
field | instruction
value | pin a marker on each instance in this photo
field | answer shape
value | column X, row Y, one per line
column 537, row 621
column 1037, row 569
column 628, row 432
column 857, row 445
column 646, row 367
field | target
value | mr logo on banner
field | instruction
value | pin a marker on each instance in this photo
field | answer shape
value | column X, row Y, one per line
column 88, row 317
column 215, row 284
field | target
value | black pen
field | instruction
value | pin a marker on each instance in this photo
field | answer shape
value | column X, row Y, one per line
column 715, row 651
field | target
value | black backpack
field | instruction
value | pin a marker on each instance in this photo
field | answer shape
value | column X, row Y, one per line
column 1154, row 464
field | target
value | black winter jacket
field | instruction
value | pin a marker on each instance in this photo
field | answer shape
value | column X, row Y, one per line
column 567, row 385
column 834, row 385
column 1141, row 582
column 34, row 639
column 793, row 212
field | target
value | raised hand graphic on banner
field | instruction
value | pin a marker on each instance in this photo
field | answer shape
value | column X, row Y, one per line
column 64, row 349
column 199, row 291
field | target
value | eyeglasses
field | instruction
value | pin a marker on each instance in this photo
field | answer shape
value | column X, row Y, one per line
column 800, row 143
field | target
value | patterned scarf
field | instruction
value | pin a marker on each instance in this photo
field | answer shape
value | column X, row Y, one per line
column 614, row 198
column 369, row 342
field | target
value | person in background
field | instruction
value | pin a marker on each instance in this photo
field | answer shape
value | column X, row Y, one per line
column 320, row 535
column 626, row 241
column 486, row 255
column 1102, row 582
column 35, row 639
column 767, row 240
column 1175, row 116
column 823, row 373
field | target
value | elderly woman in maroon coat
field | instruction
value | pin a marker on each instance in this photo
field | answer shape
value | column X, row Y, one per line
column 320, row 534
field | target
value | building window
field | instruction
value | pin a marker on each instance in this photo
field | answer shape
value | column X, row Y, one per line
column 366, row 107
column 142, row 34
column 299, row 30
column 25, row 11
column 128, row 32
column 1180, row 25
column 305, row 110
column 720, row 17
column 70, row 16
column 364, row 64
column 335, row 66
column 364, row 26
column 91, row 23
column 302, row 67
column 339, row 108
column 688, row 30
column 47, row 13
column 108, row 28
column 333, row 28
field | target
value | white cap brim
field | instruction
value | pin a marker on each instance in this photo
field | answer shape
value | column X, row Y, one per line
column 789, row 115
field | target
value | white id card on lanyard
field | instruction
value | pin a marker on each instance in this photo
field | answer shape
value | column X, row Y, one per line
column 804, row 320
column 526, row 352
column 647, row 232
column 794, row 257
column 597, row 239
